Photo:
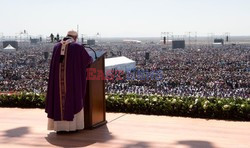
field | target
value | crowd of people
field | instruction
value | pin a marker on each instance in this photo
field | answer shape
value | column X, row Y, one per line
column 201, row 71
column 205, row 71
column 26, row 69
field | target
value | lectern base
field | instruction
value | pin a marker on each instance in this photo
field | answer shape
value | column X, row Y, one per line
column 97, row 125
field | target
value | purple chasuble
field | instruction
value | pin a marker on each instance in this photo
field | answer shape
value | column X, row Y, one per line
column 67, row 82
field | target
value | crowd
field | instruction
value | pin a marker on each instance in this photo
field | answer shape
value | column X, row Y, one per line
column 25, row 70
column 207, row 71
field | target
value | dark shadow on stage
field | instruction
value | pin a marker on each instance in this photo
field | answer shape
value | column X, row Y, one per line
column 137, row 145
column 16, row 132
column 196, row 144
column 80, row 138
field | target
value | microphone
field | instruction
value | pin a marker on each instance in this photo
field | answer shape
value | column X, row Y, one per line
column 88, row 46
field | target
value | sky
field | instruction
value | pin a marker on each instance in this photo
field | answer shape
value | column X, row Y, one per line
column 125, row 18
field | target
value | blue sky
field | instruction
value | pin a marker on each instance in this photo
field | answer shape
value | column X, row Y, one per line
column 125, row 18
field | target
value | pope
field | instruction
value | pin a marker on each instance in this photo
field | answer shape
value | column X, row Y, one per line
column 67, row 85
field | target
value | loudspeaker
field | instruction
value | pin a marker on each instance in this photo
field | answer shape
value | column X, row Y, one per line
column 147, row 56
column 164, row 40
column 46, row 55
column 82, row 40
column 91, row 42
column 178, row 44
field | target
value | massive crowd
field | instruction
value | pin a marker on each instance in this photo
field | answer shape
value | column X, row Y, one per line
column 207, row 71
column 25, row 70
column 204, row 71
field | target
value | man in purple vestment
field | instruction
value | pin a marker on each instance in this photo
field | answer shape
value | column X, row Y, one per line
column 67, row 85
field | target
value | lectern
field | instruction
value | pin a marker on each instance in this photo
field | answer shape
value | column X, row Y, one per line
column 95, row 103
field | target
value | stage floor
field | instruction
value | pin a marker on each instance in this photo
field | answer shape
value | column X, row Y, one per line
column 27, row 128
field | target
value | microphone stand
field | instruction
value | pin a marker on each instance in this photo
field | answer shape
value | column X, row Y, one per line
column 88, row 46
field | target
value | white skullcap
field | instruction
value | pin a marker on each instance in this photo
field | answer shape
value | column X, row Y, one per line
column 72, row 33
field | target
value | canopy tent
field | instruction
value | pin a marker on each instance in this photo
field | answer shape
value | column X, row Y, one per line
column 9, row 48
column 119, row 63
column 132, row 41
column 217, row 45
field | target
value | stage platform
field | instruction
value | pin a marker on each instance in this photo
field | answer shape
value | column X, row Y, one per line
column 27, row 128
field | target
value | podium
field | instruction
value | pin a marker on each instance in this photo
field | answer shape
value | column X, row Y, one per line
column 95, row 103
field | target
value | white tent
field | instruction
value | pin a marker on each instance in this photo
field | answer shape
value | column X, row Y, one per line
column 217, row 45
column 132, row 41
column 119, row 63
column 9, row 48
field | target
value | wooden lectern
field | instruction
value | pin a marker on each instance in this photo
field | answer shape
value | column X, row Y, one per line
column 95, row 103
